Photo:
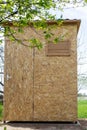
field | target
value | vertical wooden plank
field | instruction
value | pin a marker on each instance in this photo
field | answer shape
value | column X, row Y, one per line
column 18, row 101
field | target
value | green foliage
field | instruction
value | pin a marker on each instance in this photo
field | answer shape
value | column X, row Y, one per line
column 27, row 11
column 0, row 41
column 35, row 43
column 42, row 24
column 5, row 128
column 86, row 1
column 82, row 108
column 1, row 109
column 48, row 35
column 23, row 11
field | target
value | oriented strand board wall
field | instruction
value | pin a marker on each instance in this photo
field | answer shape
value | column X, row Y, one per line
column 41, row 88
column 55, row 88
column 18, row 96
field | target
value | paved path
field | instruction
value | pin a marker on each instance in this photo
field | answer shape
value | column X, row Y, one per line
column 82, row 125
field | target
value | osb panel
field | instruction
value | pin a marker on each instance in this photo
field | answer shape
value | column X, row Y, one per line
column 18, row 98
column 55, row 86
column 42, row 88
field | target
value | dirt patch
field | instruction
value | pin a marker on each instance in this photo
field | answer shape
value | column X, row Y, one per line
column 81, row 125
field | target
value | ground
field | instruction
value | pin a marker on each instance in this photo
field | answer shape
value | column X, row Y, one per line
column 81, row 125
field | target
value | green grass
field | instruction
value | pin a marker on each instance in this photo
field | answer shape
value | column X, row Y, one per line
column 82, row 108
column 1, row 109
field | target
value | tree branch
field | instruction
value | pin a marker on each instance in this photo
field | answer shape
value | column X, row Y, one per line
column 1, row 72
column 18, row 40
column 12, row 14
column 1, row 92
column 1, row 83
column 3, row 2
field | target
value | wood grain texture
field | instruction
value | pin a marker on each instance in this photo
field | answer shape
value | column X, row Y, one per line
column 55, row 89
column 62, row 48
column 41, row 88
column 18, row 98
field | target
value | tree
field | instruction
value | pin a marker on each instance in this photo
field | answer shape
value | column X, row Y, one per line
column 25, row 12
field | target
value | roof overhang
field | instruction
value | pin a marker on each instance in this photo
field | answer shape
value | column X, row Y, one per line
column 64, row 22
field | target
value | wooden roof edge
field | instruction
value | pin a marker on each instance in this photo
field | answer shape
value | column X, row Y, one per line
column 64, row 22
column 68, row 22
column 75, row 21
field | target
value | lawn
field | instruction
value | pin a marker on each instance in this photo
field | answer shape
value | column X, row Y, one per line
column 82, row 108
column 1, row 108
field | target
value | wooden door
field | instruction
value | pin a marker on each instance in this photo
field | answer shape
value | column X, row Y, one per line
column 18, row 97
column 55, row 87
